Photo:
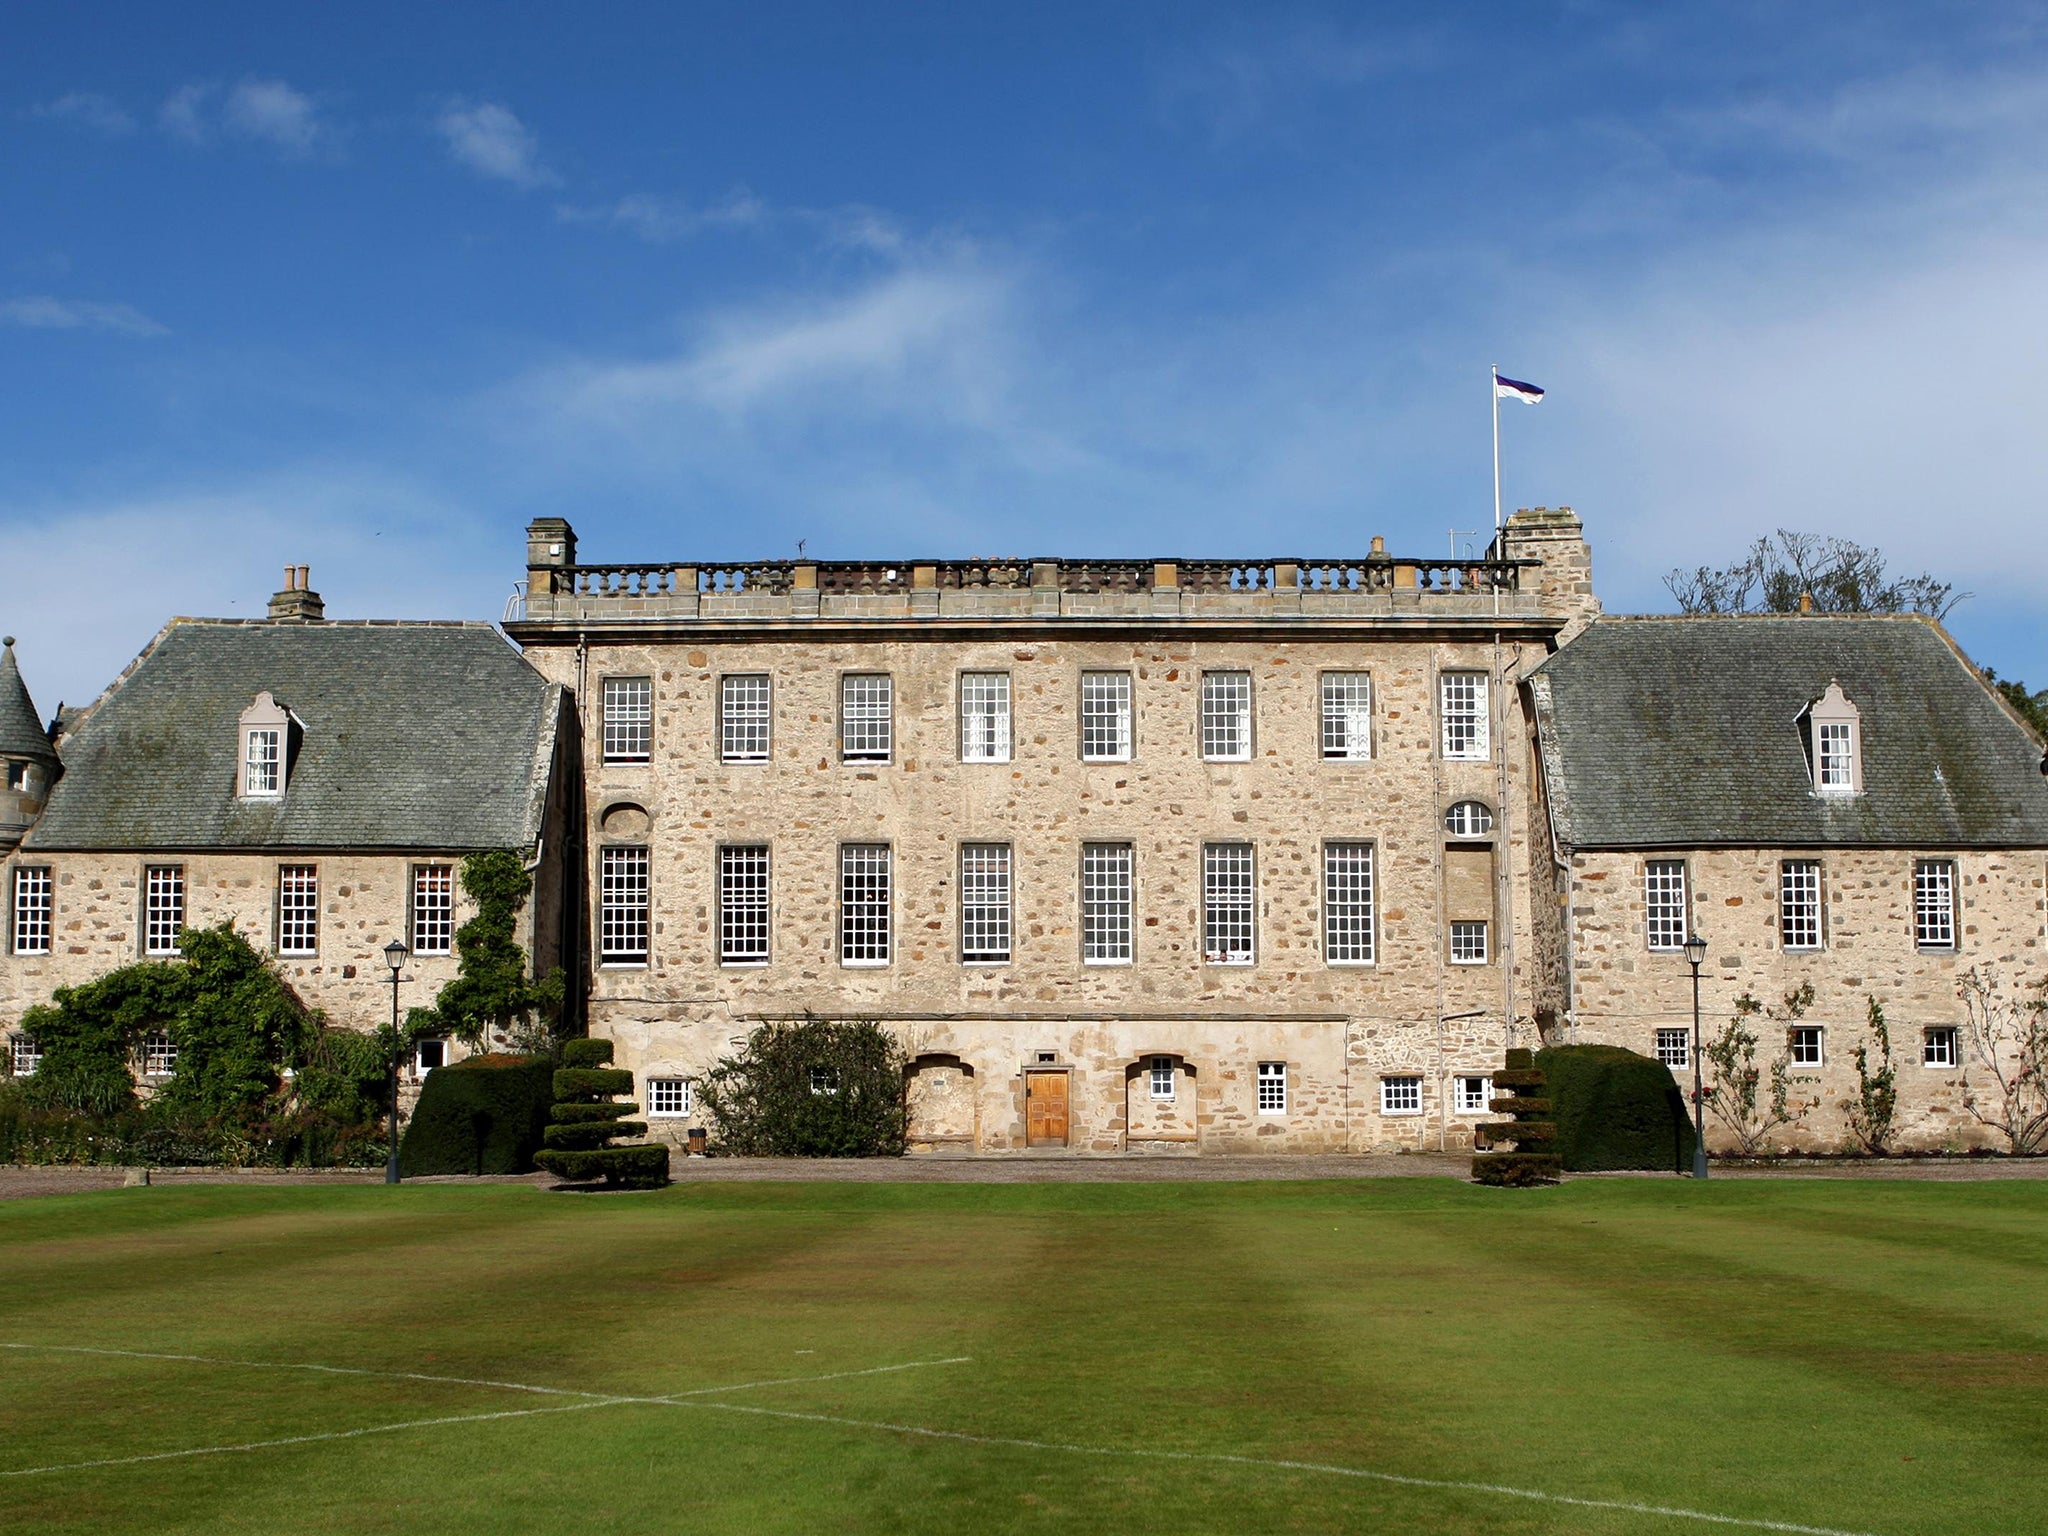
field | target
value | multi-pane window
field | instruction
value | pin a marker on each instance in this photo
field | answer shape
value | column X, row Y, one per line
column 864, row 903
column 262, row 760
column 30, row 920
column 1938, row 1047
column 433, row 909
column 1468, row 943
column 1664, row 903
column 1462, row 696
column 23, row 1055
column 984, row 902
column 743, row 715
column 1347, row 903
column 866, row 710
column 1227, row 716
column 1799, row 903
column 743, row 904
column 824, row 1080
column 1400, row 1095
column 159, row 1055
column 298, row 909
column 1105, row 903
column 1472, row 1095
column 1161, row 1074
column 1934, row 904
column 628, row 719
column 1272, row 1087
column 1837, row 757
column 622, row 892
column 1804, row 1042
column 1228, row 894
column 1469, row 818
column 1105, row 717
column 984, row 717
column 667, row 1097
column 163, row 908
column 1674, row 1047
column 1347, row 716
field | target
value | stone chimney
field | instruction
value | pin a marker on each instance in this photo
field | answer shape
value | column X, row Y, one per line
column 1564, row 585
column 550, row 549
column 298, row 603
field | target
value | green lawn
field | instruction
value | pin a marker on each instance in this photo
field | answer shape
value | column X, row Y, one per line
column 1868, row 1357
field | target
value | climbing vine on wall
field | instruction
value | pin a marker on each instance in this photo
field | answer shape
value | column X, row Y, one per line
column 492, row 993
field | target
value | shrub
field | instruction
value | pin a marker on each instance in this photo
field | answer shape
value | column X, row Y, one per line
column 1873, row 1113
column 810, row 1087
column 1615, row 1109
column 1531, row 1162
column 492, row 993
column 486, row 1114
column 583, row 1122
column 1737, row 1092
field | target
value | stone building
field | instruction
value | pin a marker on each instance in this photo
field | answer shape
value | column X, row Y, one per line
column 317, row 784
column 1161, row 854
column 1829, row 800
column 28, row 762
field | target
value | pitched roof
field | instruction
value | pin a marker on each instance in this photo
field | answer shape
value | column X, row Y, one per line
column 416, row 735
column 21, row 732
column 1685, row 733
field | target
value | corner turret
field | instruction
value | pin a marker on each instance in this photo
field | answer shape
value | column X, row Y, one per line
column 28, row 763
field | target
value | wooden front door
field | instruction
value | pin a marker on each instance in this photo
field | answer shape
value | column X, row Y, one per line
column 1045, row 1109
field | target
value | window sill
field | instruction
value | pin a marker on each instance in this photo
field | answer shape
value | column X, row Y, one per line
column 743, row 965
column 1230, row 965
column 743, row 762
column 1107, row 965
column 627, row 762
column 1471, row 965
column 1400, row 1114
column 864, row 965
column 1273, row 1113
column 1351, row 965
column 984, row 762
column 622, row 965
column 1107, row 761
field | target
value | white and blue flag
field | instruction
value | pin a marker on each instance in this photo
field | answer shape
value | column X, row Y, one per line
column 1505, row 388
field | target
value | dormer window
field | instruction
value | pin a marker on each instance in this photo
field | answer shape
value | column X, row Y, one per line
column 260, row 767
column 1835, row 744
column 268, row 736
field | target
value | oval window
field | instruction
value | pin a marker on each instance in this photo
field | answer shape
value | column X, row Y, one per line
column 1468, row 818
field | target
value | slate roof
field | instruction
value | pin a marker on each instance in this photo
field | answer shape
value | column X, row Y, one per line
column 21, row 732
column 1686, row 733
column 416, row 735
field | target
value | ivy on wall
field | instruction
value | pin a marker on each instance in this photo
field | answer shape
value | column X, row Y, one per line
column 492, row 993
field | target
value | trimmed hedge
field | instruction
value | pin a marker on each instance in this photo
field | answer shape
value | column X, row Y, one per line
column 1530, row 1129
column 1616, row 1109
column 485, row 1114
column 585, row 1120
column 624, row 1167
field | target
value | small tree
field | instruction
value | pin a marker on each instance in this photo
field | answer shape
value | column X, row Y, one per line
column 811, row 1087
column 585, row 1120
column 491, row 992
column 2005, row 1042
column 1838, row 575
column 1734, row 1093
column 1874, row 1110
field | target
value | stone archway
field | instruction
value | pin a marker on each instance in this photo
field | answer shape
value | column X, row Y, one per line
column 942, row 1096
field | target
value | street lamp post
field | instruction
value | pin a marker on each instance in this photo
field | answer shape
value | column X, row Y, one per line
column 1695, row 955
column 395, row 956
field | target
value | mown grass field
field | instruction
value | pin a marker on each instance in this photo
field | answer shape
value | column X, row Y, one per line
column 1849, row 1356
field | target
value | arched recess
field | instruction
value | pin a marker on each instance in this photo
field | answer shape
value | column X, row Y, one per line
column 941, row 1094
column 1160, row 1109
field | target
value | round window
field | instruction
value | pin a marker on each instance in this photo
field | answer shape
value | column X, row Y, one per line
column 1468, row 818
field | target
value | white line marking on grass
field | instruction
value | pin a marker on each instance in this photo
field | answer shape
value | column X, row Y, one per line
column 1227, row 1459
column 796, row 1381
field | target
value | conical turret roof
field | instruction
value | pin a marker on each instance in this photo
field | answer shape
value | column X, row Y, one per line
column 21, row 732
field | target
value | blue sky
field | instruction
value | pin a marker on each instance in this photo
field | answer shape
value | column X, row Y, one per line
column 367, row 287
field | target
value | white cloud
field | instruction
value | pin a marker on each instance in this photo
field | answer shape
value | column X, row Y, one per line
column 489, row 139
column 183, row 114
column 269, row 112
column 40, row 312
column 91, row 110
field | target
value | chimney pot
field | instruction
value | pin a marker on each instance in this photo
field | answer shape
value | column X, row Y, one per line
column 1806, row 602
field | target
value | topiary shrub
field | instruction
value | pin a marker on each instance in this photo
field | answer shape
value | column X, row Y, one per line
column 810, row 1087
column 584, row 1120
column 485, row 1114
column 1615, row 1109
column 1530, row 1131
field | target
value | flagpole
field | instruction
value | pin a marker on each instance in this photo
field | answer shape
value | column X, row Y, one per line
column 1495, row 392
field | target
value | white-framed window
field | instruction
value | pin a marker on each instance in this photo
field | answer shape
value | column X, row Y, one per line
column 984, row 903
column 263, row 762
column 1674, row 1047
column 628, row 719
column 1664, row 906
column 1347, row 904
column 1227, row 717
column 159, row 1055
column 1939, row 1047
column 29, row 918
column 429, row 1052
column 1106, row 891
column 1834, row 743
column 1804, row 1043
column 867, row 703
column 1347, row 716
column 1471, row 1095
column 1400, row 1095
column 743, row 904
column 744, row 716
column 1934, row 904
column 622, row 901
column 1799, row 904
column 23, row 1055
column 298, row 909
column 1105, row 717
column 1272, row 1087
column 864, row 870
column 668, row 1098
column 1229, row 896
column 1469, row 818
column 433, row 909
column 1466, row 734
column 1159, row 1072
column 824, row 1080
column 984, row 717
column 163, row 908
column 1468, row 943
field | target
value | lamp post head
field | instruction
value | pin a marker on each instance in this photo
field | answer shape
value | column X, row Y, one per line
column 1695, row 951
column 396, row 954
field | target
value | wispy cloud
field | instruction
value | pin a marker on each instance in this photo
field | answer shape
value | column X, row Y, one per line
column 89, row 110
column 268, row 112
column 665, row 220
column 489, row 139
column 41, row 312
column 184, row 112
